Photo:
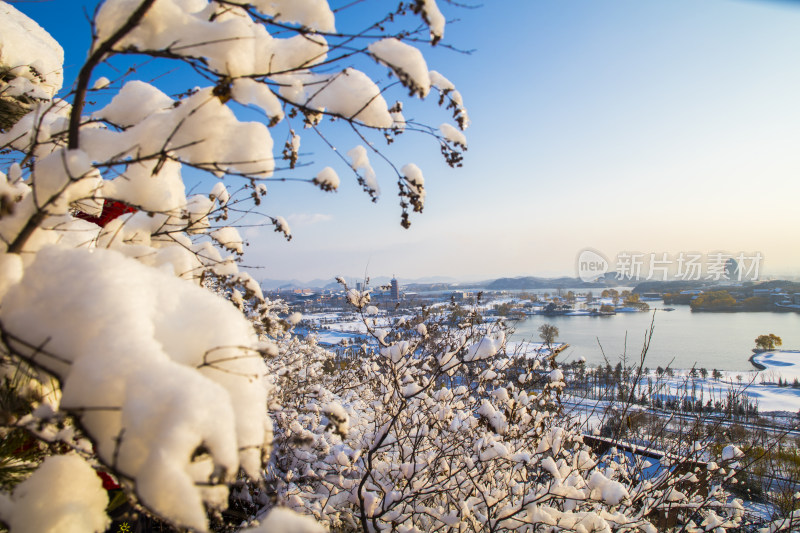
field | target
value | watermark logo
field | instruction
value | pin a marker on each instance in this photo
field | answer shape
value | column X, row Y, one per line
column 591, row 265
column 683, row 266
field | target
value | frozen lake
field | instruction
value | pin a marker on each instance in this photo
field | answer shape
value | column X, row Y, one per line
column 682, row 338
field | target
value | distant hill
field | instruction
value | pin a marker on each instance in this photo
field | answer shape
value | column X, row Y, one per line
column 669, row 286
column 330, row 283
column 683, row 285
column 426, row 287
column 272, row 284
column 443, row 283
column 535, row 283
column 521, row 284
column 790, row 286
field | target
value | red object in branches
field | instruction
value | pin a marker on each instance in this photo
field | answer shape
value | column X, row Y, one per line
column 111, row 210
column 109, row 483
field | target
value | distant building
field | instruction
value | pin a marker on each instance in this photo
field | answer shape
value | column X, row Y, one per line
column 779, row 297
column 359, row 286
column 394, row 292
column 732, row 269
column 796, row 298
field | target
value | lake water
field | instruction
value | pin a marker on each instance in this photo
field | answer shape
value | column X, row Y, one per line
column 682, row 338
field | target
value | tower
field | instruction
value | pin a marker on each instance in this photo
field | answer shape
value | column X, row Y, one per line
column 732, row 271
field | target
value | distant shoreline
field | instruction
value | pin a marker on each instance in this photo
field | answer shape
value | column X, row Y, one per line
column 739, row 309
column 756, row 364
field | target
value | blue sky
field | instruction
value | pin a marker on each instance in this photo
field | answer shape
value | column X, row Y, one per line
column 621, row 125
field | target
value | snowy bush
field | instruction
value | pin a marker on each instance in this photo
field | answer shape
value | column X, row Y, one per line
column 106, row 262
column 424, row 431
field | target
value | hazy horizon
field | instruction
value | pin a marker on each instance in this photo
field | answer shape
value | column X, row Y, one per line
column 466, row 280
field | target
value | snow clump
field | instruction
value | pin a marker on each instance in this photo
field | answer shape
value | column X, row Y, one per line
column 64, row 495
column 406, row 61
column 30, row 55
column 327, row 179
column 172, row 412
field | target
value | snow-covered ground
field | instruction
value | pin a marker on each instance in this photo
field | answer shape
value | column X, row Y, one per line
column 778, row 364
column 758, row 386
column 321, row 318
column 530, row 350
column 774, row 398
column 332, row 329
column 783, row 363
column 335, row 338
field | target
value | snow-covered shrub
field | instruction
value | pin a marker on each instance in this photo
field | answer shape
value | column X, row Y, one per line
column 106, row 261
column 424, row 431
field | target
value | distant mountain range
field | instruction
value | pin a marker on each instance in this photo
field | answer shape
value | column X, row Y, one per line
column 330, row 283
column 564, row 282
column 446, row 283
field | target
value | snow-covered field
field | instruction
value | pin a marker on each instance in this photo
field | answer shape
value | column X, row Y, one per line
column 332, row 329
column 759, row 386
column 774, row 398
column 783, row 363
column 335, row 338
column 531, row 350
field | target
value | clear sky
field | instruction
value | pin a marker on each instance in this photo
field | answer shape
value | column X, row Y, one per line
column 663, row 126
